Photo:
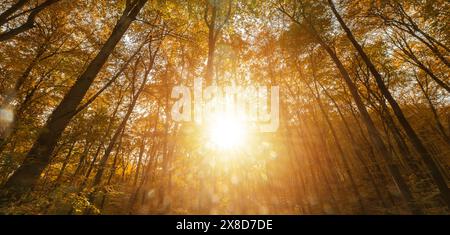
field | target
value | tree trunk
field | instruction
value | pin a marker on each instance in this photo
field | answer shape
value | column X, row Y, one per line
column 66, row 161
column 417, row 143
column 39, row 155
column 29, row 24
column 375, row 136
column 14, row 8
column 209, row 76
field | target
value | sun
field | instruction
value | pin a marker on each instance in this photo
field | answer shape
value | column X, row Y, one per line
column 226, row 132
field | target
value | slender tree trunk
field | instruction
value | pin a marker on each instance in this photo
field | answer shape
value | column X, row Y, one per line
column 91, row 167
column 13, row 9
column 355, row 147
column 39, row 155
column 415, row 140
column 209, row 77
column 112, row 171
column 408, row 25
column 80, row 165
column 29, row 24
column 353, row 185
column 373, row 132
column 118, row 131
column 439, row 124
column 64, row 165
column 407, row 50
column 138, row 167
column 214, row 30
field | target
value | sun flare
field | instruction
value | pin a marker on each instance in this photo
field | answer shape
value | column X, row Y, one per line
column 226, row 133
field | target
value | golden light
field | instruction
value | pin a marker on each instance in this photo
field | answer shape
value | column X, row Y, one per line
column 226, row 133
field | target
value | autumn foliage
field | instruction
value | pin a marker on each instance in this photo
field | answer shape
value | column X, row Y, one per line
column 85, row 107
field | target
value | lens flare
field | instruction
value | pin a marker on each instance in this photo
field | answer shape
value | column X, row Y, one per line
column 226, row 133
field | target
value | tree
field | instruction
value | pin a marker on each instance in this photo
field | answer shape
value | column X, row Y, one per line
column 30, row 20
column 417, row 143
column 39, row 155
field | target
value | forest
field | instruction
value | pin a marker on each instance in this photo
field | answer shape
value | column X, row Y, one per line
column 87, row 107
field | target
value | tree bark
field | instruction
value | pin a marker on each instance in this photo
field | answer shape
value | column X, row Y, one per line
column 14, row 8
column 29, row 24
column 417, row 143
column 39, row 155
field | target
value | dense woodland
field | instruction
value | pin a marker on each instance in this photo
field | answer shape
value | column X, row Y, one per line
column 85, row 100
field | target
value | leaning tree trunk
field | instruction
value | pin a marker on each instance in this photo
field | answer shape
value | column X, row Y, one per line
column 122, row 125
column 29, row 23
column 375, row 136
column 339, row 147
column 39, row 155
column 413, row 137
column 14, row 8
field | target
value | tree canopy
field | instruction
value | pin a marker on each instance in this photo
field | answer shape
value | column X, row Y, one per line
column 86, row 107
